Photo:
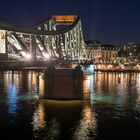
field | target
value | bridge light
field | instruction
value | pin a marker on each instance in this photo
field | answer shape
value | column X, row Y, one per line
column 46, row 56
column 28, row 56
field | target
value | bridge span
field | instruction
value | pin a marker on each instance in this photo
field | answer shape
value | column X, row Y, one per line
column 59, row 37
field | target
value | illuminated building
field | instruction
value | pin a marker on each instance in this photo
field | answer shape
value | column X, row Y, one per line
column 102, row 53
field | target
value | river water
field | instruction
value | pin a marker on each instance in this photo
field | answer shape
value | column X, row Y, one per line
column 112, row 110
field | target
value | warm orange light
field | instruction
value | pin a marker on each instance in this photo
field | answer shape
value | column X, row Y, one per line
column 66, row 18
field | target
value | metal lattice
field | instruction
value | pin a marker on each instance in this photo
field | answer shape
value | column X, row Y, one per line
column 59, row 37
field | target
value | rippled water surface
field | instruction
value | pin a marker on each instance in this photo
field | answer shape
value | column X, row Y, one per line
column 112, row 112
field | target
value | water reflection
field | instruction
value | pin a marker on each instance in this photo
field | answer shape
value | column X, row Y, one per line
column 25, row 81
column 41, row 86
column 87, row 126
column 39, row 118
column 56, row 119
column 12, row 98
column 29, row 81
column 116, row 88
column 54, row 130
column 19, row 85
column 12, row 82
column 114, row 107
column 86, row 87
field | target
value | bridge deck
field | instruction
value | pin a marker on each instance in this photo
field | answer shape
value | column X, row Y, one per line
column 33, row 65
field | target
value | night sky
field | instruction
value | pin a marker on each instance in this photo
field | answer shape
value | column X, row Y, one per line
column 109, row 21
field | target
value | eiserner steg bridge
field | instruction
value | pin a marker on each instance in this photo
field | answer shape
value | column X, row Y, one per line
column 56, row 40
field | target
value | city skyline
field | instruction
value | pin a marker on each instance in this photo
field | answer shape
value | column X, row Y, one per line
column 114, row 22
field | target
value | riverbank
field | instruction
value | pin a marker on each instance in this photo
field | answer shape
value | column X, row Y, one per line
column 118, row 70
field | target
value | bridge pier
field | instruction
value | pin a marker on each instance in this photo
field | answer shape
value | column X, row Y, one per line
column 62, row 84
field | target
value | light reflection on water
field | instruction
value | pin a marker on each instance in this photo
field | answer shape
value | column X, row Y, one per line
column 113, row 98
column 12, row 98
column 87, row 125
column 76, row 117
column 116, row 88
column 39, row 118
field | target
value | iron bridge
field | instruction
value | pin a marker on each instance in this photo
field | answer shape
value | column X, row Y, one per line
column 59, row 37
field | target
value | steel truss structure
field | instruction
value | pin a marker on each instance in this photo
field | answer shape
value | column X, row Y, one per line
column 59, row 37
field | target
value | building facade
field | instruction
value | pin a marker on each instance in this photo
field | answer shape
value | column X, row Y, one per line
column 102, row 53
column 112, row 57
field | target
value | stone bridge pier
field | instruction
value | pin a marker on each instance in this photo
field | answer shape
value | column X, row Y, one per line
column 62, row 84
